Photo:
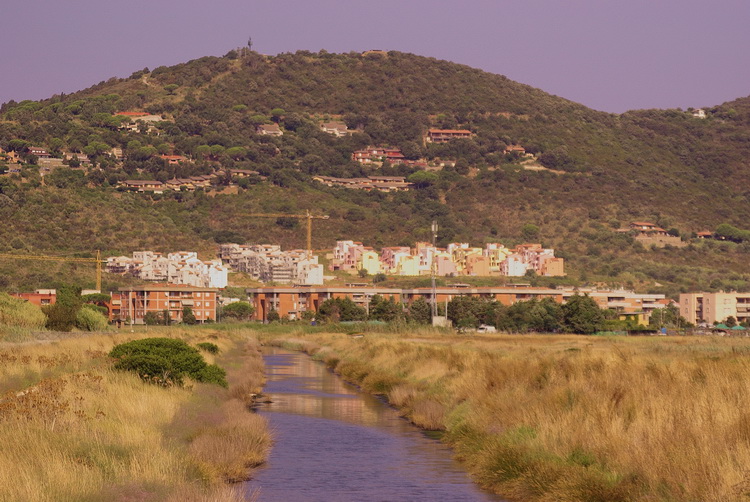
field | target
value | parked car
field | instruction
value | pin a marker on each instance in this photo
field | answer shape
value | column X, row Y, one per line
column 484, row 328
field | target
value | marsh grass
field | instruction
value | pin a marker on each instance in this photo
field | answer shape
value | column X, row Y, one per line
column 568, row 417
column 73, row 429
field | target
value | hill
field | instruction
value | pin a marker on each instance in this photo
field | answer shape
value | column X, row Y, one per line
column 597, row 171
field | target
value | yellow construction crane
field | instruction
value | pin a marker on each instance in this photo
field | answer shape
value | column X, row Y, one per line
column 97, row 260
column 307, row 216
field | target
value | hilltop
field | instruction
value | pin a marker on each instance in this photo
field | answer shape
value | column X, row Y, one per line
column 595, row 173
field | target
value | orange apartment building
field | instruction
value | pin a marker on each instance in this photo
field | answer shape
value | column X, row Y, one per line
column 39, row 297
column 135, row 302
column 292, row 302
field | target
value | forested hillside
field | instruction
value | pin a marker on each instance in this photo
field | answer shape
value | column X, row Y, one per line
column 592, row 172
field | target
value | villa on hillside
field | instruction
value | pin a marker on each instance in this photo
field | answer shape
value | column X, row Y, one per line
column 649, row 234
column 445, row 135
column 269, row 130
column 144, row 185
column 335, row 128
column 381, row 183
column 173, row 160
column 375, row 154
column 39, row 152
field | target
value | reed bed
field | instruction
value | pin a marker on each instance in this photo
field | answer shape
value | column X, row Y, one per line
column 73, row 429
column 568, row 417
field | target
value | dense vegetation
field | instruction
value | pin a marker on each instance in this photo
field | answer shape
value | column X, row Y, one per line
column 166, row 362
column 596, row 172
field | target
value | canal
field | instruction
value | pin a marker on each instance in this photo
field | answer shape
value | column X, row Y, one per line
column 335, row 443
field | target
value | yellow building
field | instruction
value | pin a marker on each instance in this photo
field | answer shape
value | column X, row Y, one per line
column 553, row 267
column 496, row 253
column 408, row 265
column 370, row 260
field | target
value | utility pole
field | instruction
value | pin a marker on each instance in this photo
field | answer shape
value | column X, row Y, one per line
column 433, row 269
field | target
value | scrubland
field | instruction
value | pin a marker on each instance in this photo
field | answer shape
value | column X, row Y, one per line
column 74, row 429
column 564, row 418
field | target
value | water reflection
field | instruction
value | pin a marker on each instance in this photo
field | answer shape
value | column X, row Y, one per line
column 335, row 443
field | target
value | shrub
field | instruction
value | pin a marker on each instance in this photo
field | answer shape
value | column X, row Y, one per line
column 17, row 312
column 209, row 347
column 89, row 319
column 166, row 362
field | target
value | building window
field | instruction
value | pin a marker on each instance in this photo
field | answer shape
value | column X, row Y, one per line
column 197, row 304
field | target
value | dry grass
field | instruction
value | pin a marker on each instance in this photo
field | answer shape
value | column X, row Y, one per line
column 72, row 429
column 570, row 417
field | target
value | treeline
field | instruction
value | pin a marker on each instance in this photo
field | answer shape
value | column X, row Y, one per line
column 580, row 314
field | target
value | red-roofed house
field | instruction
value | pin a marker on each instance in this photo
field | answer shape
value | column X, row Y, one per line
column 374, row 154
column 173, row 160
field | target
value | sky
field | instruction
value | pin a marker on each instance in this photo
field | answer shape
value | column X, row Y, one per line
column 610, row 55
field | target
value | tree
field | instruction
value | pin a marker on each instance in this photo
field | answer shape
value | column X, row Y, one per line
column 241, row 311
column 668, row 316
column 188, row 317
column 582, row 315
column 541, row 316
column 470, row 312
column 423, row 179
column 151, row 319
column 62, row 315
column 170, row 88
column 420, row 311
column 530, row 231
column 272, row 315
column 382, row 309
column 341, row 309
column 277, row 114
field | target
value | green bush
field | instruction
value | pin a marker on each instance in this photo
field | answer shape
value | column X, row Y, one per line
column 166, row 362
column 89, row 319
column 17, row 312
column 238, row 310
column 209, row 347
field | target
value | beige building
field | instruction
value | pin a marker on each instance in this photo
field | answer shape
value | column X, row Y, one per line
column 714, row 307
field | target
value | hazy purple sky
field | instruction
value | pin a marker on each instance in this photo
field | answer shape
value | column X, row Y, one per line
column 609, row 55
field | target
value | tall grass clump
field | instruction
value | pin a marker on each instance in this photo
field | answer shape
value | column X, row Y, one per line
column 19, row 313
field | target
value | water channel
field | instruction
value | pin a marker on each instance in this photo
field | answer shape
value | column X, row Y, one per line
column 335, row 443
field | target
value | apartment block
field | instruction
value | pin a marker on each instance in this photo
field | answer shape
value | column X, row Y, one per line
column 714, row 307
column 268, row 263
column 293, row 302
column 134, row 303
column 182, row 267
